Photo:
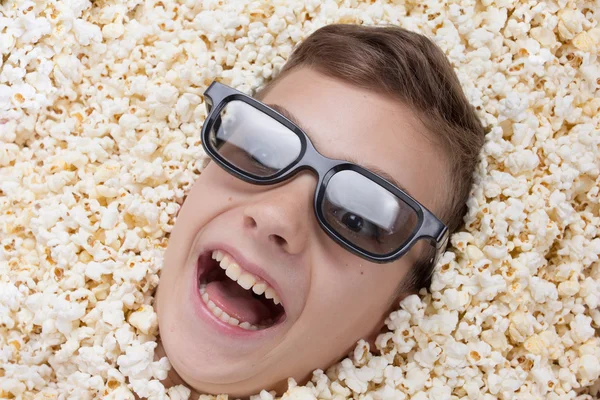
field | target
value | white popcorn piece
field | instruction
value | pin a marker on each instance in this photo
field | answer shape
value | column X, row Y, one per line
column 496, row 339
column 544, row 377
column 568, row 288
column 299, row 393
column 129, row 121
column 525, row 160
column 570, row 23
column 521, row 326
column 589, row 368
column 416, row 379
column 144, row 319
column 95, row 270
column 152, row 390
column 505, row 382
column 542, row 290
column 544, row 36
column 178, row 392
column 428, row 356
column 137, row 360
column 112, row 312
column 86, row 32
column 454, row 299
column 474, row 253
column 113, row 30
column 110, row 216
column 442, row 323
column 160, row 368
column 361, row 353
column 120, row 393
column 581, row 329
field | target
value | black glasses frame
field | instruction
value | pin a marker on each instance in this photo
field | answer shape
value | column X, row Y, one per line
column 428, row 226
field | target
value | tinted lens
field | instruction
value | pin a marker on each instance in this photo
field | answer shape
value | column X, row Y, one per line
column 252, row 141
column 366, row 214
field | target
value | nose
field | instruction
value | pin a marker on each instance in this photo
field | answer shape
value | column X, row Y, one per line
column 280, row 217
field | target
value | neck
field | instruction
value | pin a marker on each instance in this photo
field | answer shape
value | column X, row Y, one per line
column 173, row 378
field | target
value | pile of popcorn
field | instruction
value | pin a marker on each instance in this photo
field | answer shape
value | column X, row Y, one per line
column 100, row 112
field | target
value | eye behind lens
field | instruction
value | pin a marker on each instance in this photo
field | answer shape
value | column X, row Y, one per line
column 253, row 141
column 353, row 222
column 366, row 214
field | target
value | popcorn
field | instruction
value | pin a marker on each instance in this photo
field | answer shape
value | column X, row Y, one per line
column 95, row 270
column 589, row 368
column 112, row 31
column 568, row 288
column 144, row 319
column 581, row 329
column 570, row 23
column 129, row 121
column 299, row 393
column 542, row 290
column 179, row 392
column 86, row 32
column 495, row 339
column 137, row 362
column 32, row 29
column 112, row 312
column 440, row 324
column 428, row 356
column 416, row 379
column 544, row 36
column 520, row 161
column 94, row 164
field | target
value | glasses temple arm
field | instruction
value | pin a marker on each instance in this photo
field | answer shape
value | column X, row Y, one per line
column 208, row 103
column 437, row 232
column 442, row 239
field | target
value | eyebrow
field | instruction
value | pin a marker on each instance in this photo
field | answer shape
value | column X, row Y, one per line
column 376, row 170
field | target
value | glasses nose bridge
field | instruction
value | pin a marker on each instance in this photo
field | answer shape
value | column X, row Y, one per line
column 317, row 163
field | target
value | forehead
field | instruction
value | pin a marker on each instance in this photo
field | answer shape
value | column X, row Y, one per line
column 344, row 121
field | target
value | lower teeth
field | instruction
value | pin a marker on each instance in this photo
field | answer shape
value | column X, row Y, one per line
column 223, row 316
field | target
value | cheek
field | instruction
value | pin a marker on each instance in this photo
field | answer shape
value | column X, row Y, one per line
column 355, row 289
column 207, row 197
column 378, row 283
column 205, row 200
column 349, row 302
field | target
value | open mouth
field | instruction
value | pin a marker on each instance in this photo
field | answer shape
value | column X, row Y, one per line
column 236, row 296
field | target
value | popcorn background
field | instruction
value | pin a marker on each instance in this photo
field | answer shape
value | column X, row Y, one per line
column 100, row 114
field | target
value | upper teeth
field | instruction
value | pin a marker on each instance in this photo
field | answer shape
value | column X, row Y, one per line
column 244, row 278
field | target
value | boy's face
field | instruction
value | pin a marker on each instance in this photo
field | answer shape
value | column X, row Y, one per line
column 331, row 298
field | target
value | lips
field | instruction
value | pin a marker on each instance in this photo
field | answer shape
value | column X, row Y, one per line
column 238, row 293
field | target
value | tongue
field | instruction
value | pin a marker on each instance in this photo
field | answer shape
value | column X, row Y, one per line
column 237, row 302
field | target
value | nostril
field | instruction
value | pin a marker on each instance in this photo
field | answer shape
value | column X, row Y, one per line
column 278, row 240
column 249, row 222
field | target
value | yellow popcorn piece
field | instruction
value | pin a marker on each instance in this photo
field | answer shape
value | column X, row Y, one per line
column 585, row 42
column 570, row 23
column 144, row 319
